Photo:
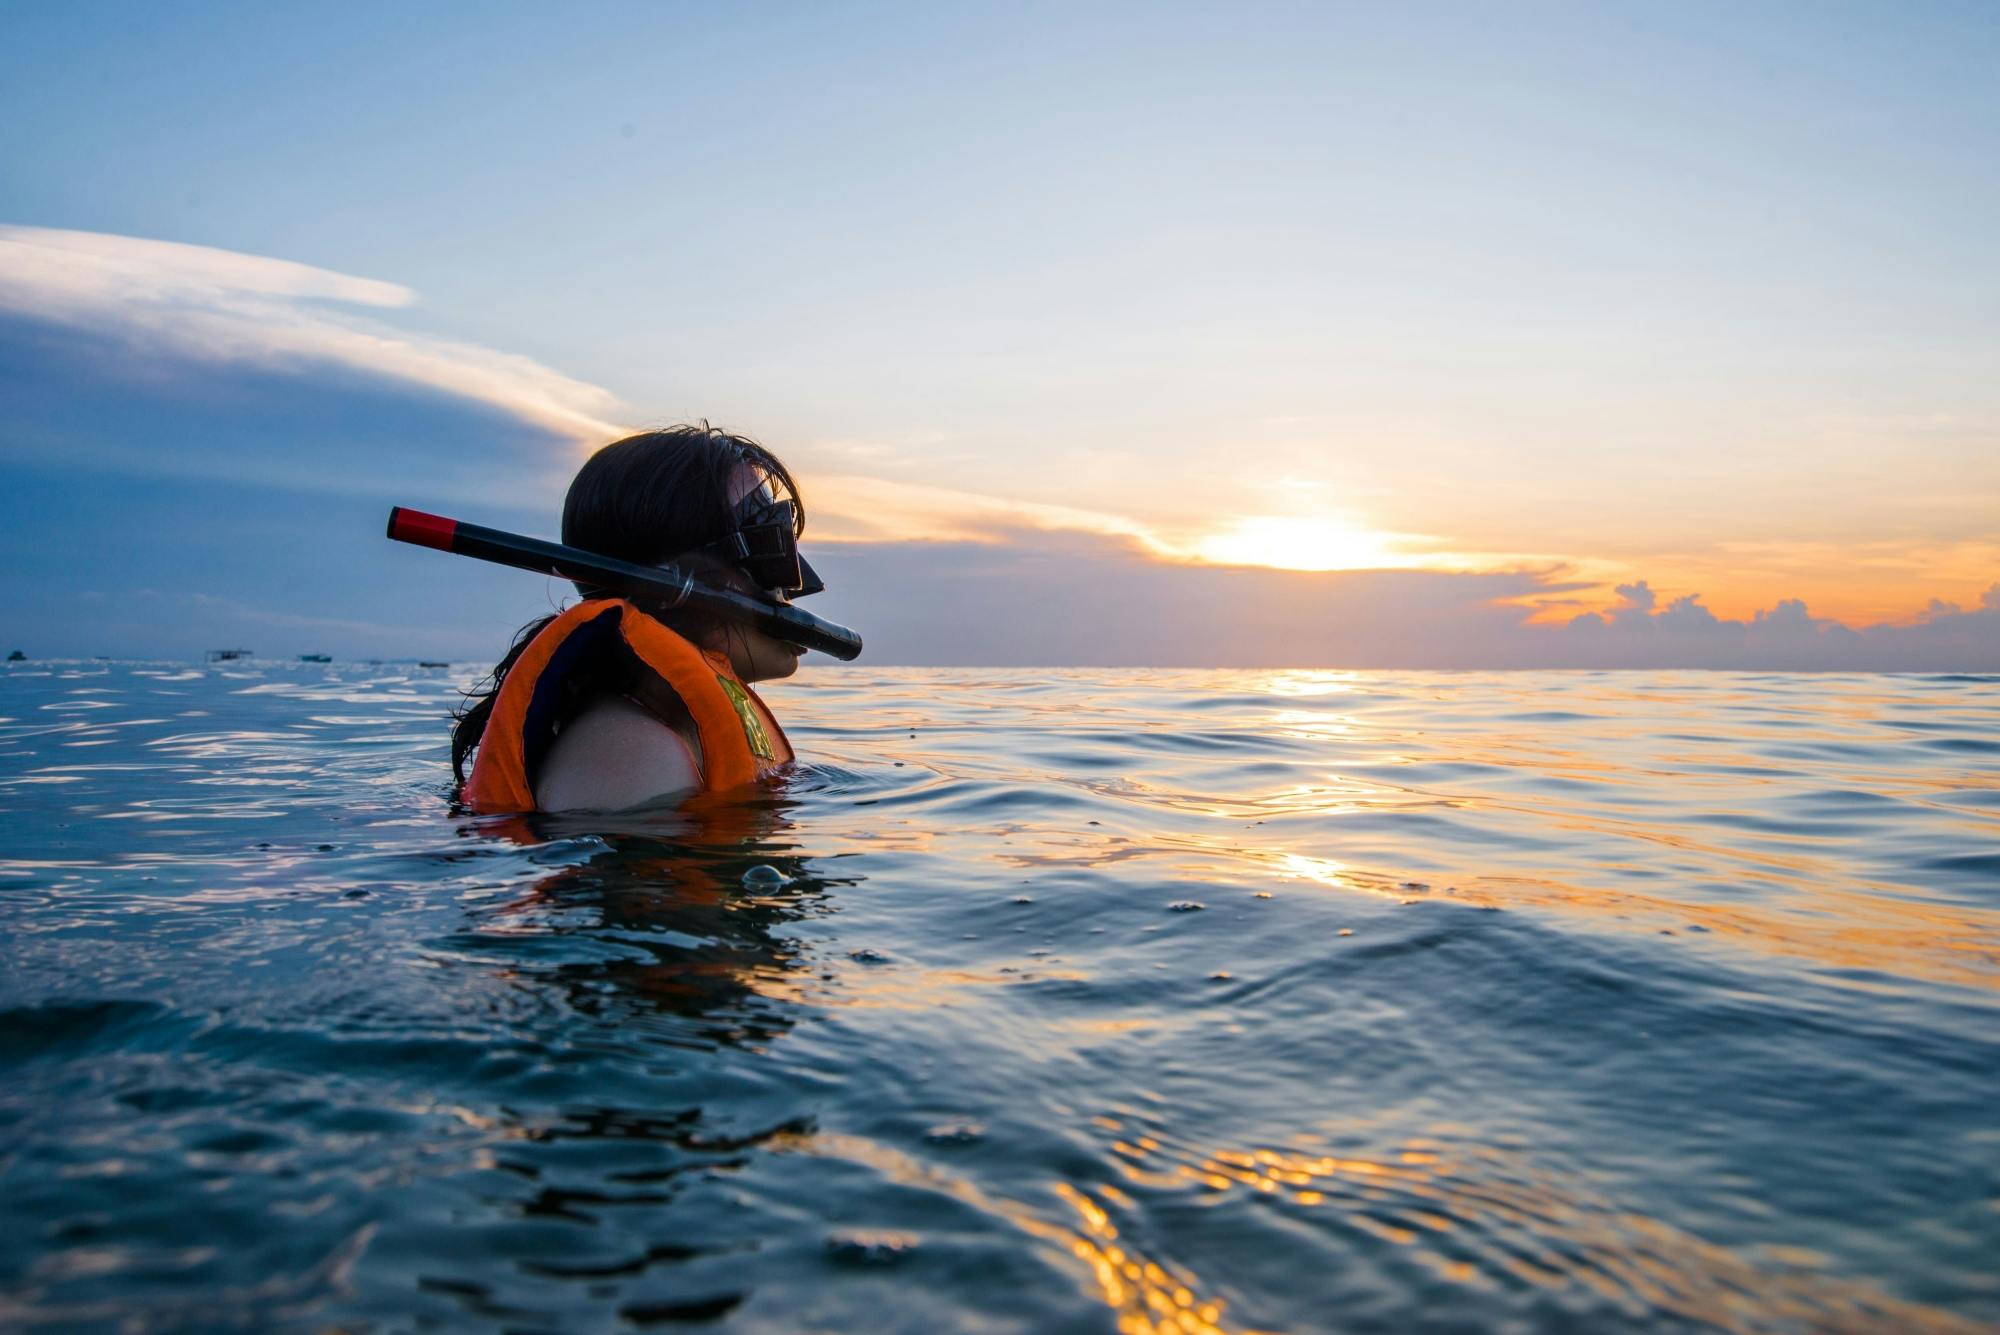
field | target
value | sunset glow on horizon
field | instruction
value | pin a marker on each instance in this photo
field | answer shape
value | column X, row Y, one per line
column 1289, row 542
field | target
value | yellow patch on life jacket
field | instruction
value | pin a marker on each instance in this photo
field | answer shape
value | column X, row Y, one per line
column 753, row 727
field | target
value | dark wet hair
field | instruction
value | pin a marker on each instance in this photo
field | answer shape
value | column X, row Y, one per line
column 647, row 498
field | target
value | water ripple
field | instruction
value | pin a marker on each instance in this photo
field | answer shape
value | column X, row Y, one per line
column 1079, row 1000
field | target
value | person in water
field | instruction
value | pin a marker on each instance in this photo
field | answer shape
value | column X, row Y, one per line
column 614, row 704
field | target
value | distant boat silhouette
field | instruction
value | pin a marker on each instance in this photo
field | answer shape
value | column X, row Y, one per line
column 226, row 655
column 315, row 658
column 425, row 662
column 17, row 657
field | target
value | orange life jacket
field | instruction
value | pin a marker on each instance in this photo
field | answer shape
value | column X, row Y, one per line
column 740, row 740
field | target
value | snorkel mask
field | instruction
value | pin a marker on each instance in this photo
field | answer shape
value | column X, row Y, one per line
column 764, row 544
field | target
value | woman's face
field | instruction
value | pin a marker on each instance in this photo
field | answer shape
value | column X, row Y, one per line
column 755, row 655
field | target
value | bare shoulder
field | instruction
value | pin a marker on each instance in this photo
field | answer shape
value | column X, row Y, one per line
column 612, row 756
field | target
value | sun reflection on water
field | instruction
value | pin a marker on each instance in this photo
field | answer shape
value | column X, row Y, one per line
column 1148, row 1299
column 1303, row 683
column 1471, row 1215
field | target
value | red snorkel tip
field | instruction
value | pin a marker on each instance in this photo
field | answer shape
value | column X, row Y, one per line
column 414, row 526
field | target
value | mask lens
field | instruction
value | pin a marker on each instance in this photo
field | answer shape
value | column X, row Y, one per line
column 765, row 543
column 768, row 554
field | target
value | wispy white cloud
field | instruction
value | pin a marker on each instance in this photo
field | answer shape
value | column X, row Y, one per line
column 855, row 507
column 852, row 507
column 204, row 304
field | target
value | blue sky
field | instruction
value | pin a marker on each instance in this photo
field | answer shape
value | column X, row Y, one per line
column 1701, row 296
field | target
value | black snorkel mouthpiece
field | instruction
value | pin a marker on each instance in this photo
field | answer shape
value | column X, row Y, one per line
column 667, row 586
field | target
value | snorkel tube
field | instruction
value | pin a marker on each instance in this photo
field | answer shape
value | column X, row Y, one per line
column 665, row 586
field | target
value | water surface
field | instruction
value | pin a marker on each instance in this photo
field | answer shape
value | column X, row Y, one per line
column 1052, row 1001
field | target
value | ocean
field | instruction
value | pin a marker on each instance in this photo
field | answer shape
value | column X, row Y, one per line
column 1034, row 1001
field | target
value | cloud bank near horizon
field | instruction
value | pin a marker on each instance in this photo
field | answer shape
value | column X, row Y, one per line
column 1048, row 599
column 196, row 451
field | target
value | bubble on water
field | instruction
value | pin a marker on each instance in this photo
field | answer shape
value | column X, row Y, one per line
column 868, row 956
column 763, row 875
column 1024, row 899
column 870, row 1248
column 955, row 1133
column 1263, row 894
column 1220, row 976
column 1186, row 906
column 1345, row 931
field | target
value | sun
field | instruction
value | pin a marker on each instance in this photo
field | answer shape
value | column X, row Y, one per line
column 1297, row 543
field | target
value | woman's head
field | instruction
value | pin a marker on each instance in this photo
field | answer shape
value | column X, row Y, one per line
column 665, row 496
column 651, row 498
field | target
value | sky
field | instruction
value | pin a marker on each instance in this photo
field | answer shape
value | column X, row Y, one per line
column 1245, row 335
